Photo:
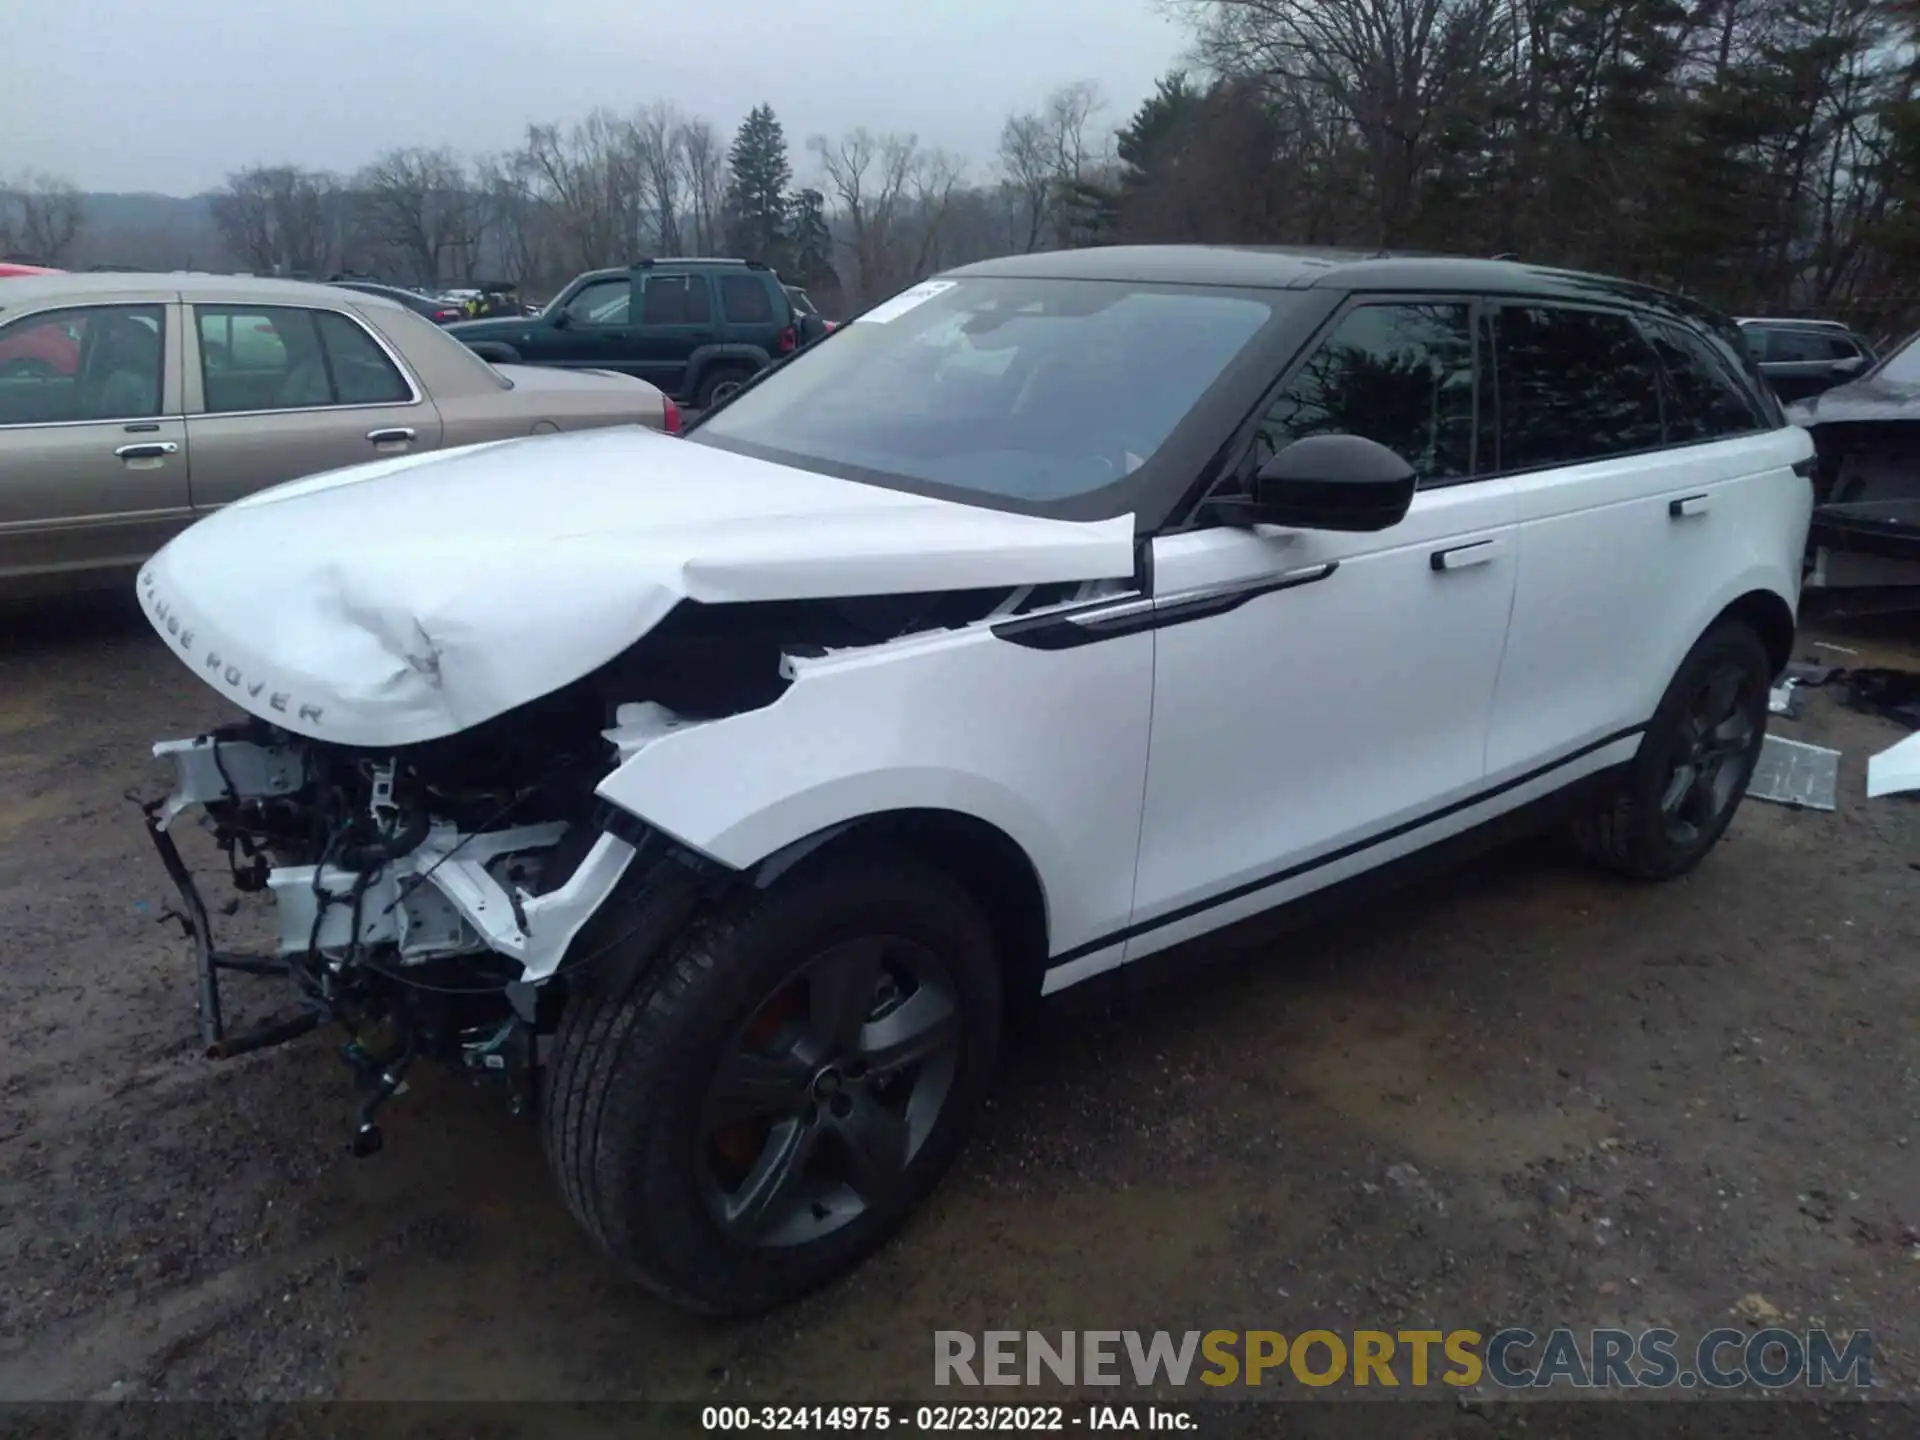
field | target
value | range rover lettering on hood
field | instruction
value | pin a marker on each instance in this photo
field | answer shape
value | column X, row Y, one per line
column 267, row 702
column 406, row 600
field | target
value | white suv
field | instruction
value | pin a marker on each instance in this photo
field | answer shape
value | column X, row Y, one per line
column 721, row 795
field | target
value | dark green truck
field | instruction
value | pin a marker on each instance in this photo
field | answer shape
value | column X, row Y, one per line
column 697, row 329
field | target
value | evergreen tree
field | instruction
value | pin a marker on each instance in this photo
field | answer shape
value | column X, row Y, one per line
column 756, row 200
column 810, row 243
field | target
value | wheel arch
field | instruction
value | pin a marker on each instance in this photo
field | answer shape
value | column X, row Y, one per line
column 1771, row 617
column 984, row 859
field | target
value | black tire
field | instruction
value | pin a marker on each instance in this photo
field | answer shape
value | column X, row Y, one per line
column 1638, row 833
column 627, row 1113
column 718, row 384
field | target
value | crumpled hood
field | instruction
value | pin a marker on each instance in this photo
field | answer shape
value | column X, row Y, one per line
column 413, row 598
column 1868, row 399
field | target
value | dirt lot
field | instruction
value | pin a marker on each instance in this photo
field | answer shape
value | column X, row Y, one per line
column 1525, row 1096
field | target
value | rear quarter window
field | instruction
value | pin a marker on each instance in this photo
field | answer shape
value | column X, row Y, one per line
column 744, row 300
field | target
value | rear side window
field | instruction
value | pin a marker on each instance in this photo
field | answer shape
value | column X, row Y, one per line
column 362, row 373
column 1575, row 385
column 1704, row 401
column 675, row 300
column 1800, row 347
column 745, row 300
column 1401, row 375
column 270, row 357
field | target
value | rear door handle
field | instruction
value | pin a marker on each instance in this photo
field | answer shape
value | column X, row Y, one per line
column 147, row 450
column 1687, row 505
column 1459, row 557
column 398, row 435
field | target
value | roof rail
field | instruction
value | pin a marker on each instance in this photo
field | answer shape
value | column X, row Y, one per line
column 652, row 260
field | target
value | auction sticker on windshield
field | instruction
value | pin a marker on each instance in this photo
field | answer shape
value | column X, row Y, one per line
column 903, row 302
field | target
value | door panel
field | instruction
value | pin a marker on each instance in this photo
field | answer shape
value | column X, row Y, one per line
column 1620, row 555
column 677, row 318
column 263, row 386
column 103, row 483
column 1325, row 711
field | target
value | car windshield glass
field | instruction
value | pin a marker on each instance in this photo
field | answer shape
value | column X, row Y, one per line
column 1903, row 366
column 1032, row 390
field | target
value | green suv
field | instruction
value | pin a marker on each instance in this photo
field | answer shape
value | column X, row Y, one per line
column 697, row 329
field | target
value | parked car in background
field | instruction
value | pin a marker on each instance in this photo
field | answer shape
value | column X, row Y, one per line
column 1066, row 608
column 697, row 328
column 811, row 322
column 1800, row 358
column 1866, row 520
column 14, row 269
column 441, row 312
column 154, row 399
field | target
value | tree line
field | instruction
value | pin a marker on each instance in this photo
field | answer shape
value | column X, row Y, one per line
column 1761, row 154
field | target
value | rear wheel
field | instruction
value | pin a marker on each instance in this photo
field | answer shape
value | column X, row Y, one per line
column 721, row 385
column 1693, row 766
column 764, row 1104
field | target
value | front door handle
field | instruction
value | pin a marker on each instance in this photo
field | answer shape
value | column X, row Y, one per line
column 148, row 450
column 1687, row 506
column 1460, row 557
column 398, row 435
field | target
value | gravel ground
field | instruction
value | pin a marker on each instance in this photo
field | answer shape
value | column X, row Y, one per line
column 1521, row 1095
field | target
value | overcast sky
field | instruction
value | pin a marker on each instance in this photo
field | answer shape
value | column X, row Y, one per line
column 170, row 95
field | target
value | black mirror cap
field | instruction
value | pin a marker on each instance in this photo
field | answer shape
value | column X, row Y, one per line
column 1334, row 482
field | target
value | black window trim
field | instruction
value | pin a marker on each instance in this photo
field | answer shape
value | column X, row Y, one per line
column 167, row 306
column 194, row 405
column 1185, row 518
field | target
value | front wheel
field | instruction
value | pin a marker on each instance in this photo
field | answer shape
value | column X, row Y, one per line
column 770, row 1098
column 1693, row 766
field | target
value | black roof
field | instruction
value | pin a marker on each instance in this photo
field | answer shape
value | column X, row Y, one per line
column 1301, row 268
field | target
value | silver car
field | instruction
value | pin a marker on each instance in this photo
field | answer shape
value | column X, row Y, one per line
column 130, row 405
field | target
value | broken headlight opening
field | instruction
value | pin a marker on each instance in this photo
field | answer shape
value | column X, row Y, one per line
column 424, row 912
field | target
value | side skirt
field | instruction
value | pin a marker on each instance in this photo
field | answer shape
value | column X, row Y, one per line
column 1345, row 898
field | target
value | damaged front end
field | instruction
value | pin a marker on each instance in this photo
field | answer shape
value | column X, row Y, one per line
column 427, row 899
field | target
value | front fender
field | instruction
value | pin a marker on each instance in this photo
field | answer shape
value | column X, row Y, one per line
column 1049, row 747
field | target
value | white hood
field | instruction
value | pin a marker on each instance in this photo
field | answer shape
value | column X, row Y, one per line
column 414, row 598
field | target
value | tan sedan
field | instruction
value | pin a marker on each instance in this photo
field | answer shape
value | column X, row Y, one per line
column 132, row 404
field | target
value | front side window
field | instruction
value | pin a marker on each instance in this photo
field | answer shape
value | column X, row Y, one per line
column 97, row 362
column 1034, row 392
column 1401, row 375
column 1575, row 385
column 601, row 302
column 675, row 300
column 271, row 357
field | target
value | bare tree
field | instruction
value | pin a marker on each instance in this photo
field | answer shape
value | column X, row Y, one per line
column 706, row 165
column 280, row 219
column 1026, row 165
column 516, row 221
column 868, row 175
column 420, row 205
column 1045, row 155
column 659, row 138
column 588, row 174
column 40, row 216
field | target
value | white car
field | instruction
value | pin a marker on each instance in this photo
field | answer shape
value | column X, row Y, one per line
column 722, row 794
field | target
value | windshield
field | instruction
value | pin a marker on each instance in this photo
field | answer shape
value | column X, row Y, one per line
column 1903, row 366
column 1033, row 390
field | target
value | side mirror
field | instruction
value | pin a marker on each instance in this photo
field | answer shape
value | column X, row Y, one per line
column 561, row 319
column 1327, row 482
